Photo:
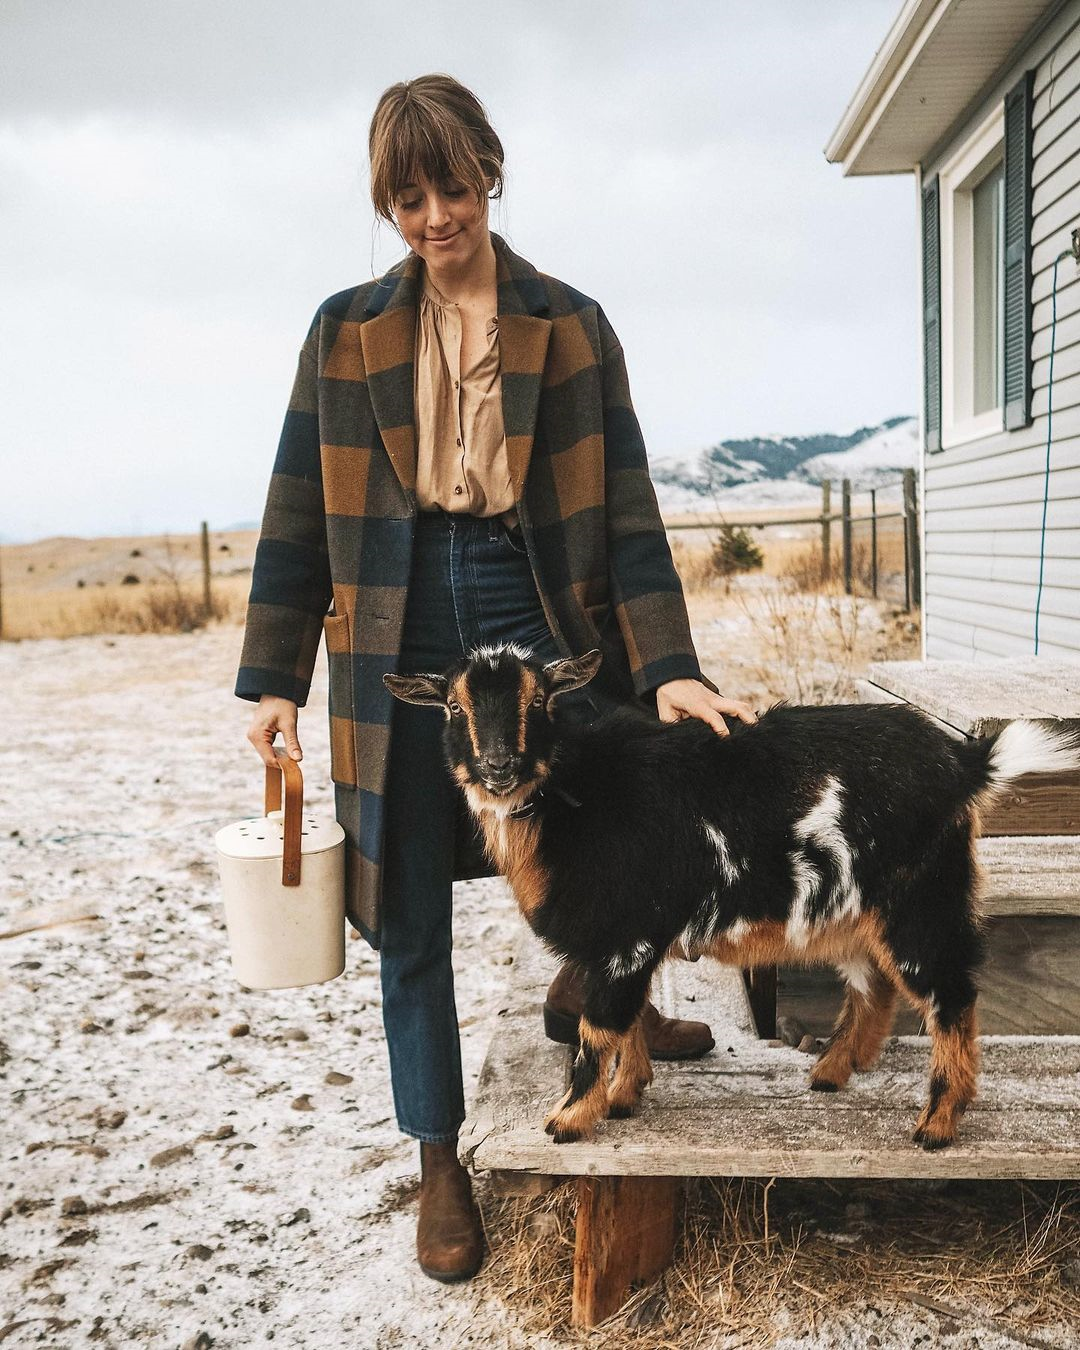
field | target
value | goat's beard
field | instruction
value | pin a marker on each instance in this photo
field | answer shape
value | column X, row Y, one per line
column 481, row 799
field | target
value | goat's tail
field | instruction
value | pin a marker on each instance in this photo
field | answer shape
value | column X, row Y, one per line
column 1021, row 747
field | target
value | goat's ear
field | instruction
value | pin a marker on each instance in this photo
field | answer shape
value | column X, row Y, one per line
column 429, row 689
column 572, row 672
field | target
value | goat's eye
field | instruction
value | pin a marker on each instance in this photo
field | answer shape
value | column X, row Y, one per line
column 539, row 700
column 455, row 708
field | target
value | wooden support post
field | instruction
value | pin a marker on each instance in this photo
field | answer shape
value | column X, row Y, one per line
column 826, row 529
column 913, row 583
column 1, row 607
column 206, row 570
column 760, row 984
column 625, row 1238
column 873, row 542
column 845, row 527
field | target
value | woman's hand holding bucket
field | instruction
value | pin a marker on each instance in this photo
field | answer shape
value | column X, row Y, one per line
column 272, row 715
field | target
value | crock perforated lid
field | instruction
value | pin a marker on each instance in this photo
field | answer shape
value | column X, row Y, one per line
column 262, row 836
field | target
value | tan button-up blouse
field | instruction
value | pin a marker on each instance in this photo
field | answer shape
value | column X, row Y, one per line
column 461, row 461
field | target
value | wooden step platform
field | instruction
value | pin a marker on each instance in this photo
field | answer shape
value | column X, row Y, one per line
column 746, row 1109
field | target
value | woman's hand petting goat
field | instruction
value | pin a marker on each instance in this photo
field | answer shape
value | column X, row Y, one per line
column 815, row 834
column 690, row 698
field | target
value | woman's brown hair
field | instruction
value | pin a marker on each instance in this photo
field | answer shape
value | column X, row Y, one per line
column 431, row 126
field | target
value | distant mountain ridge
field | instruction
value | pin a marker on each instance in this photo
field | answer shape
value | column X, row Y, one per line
column 776, row 468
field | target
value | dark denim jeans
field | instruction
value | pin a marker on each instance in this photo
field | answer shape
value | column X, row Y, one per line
column 471, row 583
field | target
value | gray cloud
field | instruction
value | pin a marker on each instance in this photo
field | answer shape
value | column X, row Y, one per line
column 182, row 184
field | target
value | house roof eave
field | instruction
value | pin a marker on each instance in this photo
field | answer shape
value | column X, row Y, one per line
column 936, row 60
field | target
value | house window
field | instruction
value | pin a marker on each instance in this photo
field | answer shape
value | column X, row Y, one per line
column 972, row 286
column 988, row 233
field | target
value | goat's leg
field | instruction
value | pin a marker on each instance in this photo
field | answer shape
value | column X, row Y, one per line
column 633, row 1074
column 865, row 1020
column 586, row 1101
column 611, row 1009
column 954, row 1066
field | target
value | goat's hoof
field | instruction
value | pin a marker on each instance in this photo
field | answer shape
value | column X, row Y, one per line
column 823, row 1085
column 930, row 1140
column 564, row 1135
column 622, row 1110
column 560, row 1131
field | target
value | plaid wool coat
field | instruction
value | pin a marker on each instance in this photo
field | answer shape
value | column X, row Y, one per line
column 340, row 512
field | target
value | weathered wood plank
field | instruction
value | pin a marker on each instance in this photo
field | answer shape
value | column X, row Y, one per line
column 1030, row 874
column 746, row 1109
column 979, row 698
column 625, row 1236
column 1047, row 804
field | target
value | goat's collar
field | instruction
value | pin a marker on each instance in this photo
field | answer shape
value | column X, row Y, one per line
column 529, row 808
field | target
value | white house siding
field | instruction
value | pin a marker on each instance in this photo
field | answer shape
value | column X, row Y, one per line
column 984, row 500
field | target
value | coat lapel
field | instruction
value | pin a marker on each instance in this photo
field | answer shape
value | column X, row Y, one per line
column 523, row 343
column 388, row 339
column 389, row 346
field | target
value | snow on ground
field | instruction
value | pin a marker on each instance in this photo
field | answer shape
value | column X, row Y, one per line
column 165, row 1175
column 185, row 1163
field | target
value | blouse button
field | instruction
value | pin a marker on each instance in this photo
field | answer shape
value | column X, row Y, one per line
column 455, row 384
column 458, row 488
column 459, row 440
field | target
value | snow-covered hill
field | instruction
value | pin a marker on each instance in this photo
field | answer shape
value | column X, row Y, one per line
column 785, row 470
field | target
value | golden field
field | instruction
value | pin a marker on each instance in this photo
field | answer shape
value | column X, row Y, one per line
column 69, row 586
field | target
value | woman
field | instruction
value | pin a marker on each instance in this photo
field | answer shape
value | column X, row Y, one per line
column 460, row 464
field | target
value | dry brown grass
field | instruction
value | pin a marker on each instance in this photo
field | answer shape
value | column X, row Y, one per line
column 757, row 1258
column 797, row 557
column 786, row 633
column 66, row 587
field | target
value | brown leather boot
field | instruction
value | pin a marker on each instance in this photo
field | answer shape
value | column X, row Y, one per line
column 449, row 1237
column 666, row 1037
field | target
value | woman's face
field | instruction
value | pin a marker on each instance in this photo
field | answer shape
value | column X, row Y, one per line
column 444, row 222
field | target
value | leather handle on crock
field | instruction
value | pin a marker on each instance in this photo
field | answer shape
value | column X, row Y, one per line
column 294, row 811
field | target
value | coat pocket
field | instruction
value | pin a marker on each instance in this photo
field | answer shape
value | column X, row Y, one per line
column 342, row 739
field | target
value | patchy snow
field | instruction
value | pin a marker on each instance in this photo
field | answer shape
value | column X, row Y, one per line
column 224, row 1184
column 183, row 1158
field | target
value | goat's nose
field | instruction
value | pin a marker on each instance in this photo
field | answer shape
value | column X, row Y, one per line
column 498, row 761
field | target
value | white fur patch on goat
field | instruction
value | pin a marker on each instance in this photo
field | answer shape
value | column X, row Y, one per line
column 821, row 825
column 1028, row 747
column 857, row 974
column 806, row 879
column 491, row 652
column 728, row 870
column 639, row 955
column 735, row 932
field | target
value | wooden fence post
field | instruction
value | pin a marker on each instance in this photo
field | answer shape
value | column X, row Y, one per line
column 826, row 529
column 845, row 527
column 873, row 542
column 913, row 585
column 206, row 570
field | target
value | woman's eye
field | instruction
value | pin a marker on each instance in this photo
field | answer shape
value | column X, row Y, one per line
column 455, row 708
column 409, row 206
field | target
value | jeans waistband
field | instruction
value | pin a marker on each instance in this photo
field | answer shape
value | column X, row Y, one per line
column 461, row 520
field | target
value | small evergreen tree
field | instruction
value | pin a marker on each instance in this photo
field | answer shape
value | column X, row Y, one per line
column 734, row 551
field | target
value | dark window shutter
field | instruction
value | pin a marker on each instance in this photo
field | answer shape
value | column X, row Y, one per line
column 1017, row 336
column 931, row 256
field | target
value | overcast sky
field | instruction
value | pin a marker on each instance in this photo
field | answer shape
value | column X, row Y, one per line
column 182, row 184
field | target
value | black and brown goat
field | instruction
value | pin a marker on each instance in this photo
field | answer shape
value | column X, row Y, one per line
column 818, row 834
